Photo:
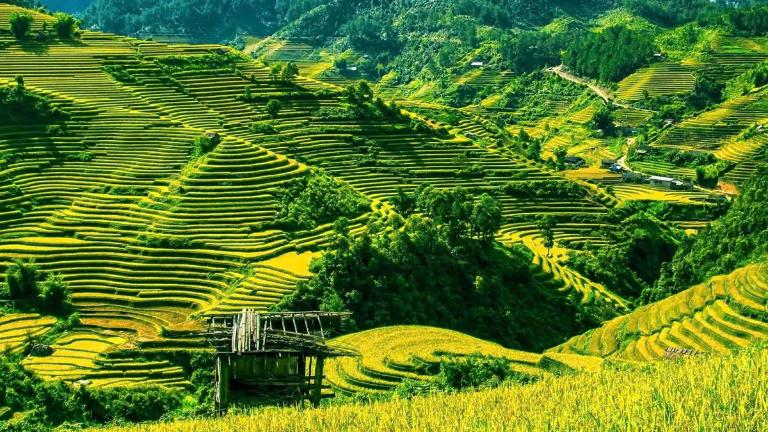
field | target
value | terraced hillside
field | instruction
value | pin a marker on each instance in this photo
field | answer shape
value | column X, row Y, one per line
column 390, row 356
column 723, row 314
column 16, row 329
column 150, row 238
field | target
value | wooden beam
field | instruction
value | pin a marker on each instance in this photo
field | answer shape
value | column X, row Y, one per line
column 317, row 389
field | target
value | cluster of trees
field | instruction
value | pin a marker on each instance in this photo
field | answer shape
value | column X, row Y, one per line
column 359, row 102
column 736, row 239
column 64, row 26
column 283, row 72
column 437, row 265
column 454, row 210
column 545, row 189
column 215, row 60
column 674, row 12
column 610, row 54
column 25, row 283
column 639, row 244
column 316, row 199
column 744, row 83
column 49, row 404
column 212, row 20
column 749, row 21
column 19, row 106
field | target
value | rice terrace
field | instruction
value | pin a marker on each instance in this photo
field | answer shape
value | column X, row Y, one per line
column 401, row 215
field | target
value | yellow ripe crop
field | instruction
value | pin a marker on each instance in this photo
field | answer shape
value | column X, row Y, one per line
column 703, row 393
column 715, row 316
column 389, row 355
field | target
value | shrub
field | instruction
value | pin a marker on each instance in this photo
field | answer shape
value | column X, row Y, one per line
column 204, row 144
column 264, row 127
column 119, row 73
column 273, row 107
column 65, row 25
column 316, row 199
column 20, row 106
column 21, row 279
column 54, row 294
column 478, row 371
column 21, row 24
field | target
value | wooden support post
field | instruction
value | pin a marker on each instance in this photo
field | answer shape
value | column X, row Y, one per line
column 221, row 398
column 317, row 389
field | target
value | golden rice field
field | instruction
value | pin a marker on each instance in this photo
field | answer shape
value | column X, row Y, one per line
column 82, row 199
column 390, row 355
column 727, row 312
column 16, row 329
column 698, row 393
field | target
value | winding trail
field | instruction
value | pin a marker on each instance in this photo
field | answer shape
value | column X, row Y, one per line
column 601, row 92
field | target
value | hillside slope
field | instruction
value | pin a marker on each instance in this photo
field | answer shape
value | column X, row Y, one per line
column 150, row 237
column 710, row 393
column 723, row 314
column 389, row 356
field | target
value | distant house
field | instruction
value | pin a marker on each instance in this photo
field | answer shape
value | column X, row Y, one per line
column 352, row 68
column 476, row 63
column 574, row 161
column 214, row 137
column 661, row 181
column 668, row 182
column 607, row 163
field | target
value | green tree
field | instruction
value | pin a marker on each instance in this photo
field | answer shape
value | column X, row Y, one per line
column 548, row 240
column 21, row 24
column 54, row 294
column 546, row 226
column 65, row 25
column 273, row 107
column 275, row 72
column 289, row 72
column 603, row 119
column 486, row 217
column 340, row 64
column 21, row 279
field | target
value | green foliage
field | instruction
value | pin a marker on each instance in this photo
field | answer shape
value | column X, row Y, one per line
column 434, row 269
column 603, row 119
column 204, row 144
column 639, row 245
column 273, row 107
column 267, row 128
column 317, row 199
column 478, row 372
column 19, row 106
column 687, row 159
column 749, row 21
column 21, row 24
column 46, row 405
column 672, row 12
column 709, row 175
column 545, row 189
column 360, row 103
column 217, row 60
column 65, row 25
column 746, row 82
column 736, row 239
column 54, row 294
column 289, row 72
column 21, row 279
column 611, row 54
column 119, row 73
